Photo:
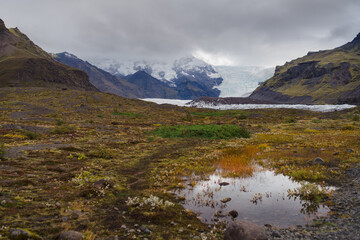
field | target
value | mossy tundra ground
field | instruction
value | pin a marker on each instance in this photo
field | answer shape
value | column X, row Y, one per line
column 95, row 163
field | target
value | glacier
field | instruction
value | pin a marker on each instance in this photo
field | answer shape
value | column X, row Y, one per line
column 241, row 81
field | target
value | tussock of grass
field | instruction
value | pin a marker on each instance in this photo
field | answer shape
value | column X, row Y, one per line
column 202, row 131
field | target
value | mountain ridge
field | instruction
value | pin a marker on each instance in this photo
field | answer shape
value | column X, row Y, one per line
column 323, row 77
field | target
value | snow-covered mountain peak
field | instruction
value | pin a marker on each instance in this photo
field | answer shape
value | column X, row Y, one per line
column 165, row 71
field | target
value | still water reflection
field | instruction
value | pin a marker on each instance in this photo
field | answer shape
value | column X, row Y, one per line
column 261, row 198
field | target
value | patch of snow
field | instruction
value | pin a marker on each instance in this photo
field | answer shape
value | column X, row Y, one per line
column 69, row 55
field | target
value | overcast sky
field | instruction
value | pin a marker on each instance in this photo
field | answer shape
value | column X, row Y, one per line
column 238, row 32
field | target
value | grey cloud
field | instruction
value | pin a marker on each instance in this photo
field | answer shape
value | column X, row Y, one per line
column 263, row 32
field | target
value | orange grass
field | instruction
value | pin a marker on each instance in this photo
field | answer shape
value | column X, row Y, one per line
column 238, row 162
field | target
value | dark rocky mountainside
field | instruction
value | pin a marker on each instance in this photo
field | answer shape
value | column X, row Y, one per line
column 151, row 87
column 324, row 77
column 22, row 63
column 101, row 79
column 137, row 85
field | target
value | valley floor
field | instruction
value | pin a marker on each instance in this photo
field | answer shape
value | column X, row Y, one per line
column 90, row 162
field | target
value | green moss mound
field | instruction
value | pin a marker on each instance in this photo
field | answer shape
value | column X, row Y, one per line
column 202, row 131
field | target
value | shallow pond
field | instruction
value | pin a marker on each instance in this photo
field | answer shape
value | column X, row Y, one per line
column 261, row 198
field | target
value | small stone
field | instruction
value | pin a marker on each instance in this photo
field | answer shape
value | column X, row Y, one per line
column 132, row 230
column 123, row 226
column 349, row 150
column 181, row 230
column 145, row 229
column 136, row 225
column 57, row 204
column 275, row 234
column 225, row 200
column 71, row 235
column 224, row 183
column 233, row 213
column 318, row 161
column 64, row 218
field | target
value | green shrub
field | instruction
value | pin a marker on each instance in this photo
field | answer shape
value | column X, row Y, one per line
column 291, row 120
column 2, row 149
column 63, row 130
column 127, row 114
column 59, row 122
column 241, row 116
column 202, row 131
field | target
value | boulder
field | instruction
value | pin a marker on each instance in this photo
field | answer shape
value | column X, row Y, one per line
column 244, row 230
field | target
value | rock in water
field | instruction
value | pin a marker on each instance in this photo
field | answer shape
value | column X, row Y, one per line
column 225, row 200
column 244, row 230
column 71, row 235
column 233, row 213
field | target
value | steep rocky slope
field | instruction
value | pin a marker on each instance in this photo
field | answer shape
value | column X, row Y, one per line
column 324, row 77
column 22, row 63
